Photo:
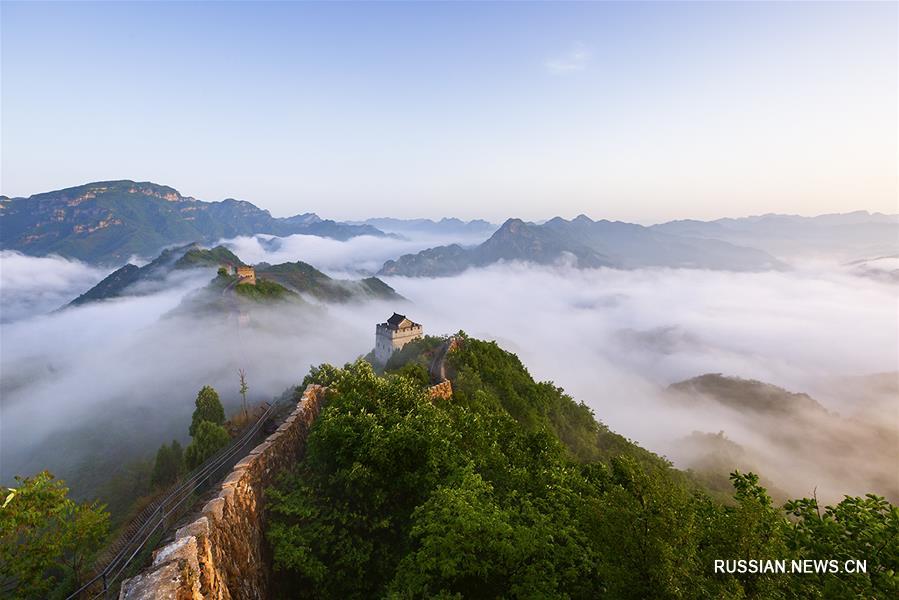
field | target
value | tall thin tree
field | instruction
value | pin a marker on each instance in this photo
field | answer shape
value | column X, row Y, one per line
column 243, row 389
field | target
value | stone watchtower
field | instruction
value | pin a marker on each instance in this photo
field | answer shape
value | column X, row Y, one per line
column 246, row 275
column 393, row 335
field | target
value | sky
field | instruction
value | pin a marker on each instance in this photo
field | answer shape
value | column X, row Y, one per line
column 642, row 112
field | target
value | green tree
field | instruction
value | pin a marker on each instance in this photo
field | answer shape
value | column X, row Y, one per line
column 209, row 408
column 46, row 538
column 169, row 464
column 209, row 439
column 243, row 389
column 415, row 372
column 514, row 490
column 855, row 529
column 750, row 528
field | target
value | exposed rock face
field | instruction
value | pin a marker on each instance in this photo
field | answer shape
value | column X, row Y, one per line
column 221, row 555
column 107, row 222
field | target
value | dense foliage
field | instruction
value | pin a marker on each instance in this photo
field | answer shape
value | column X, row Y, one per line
column 208, row 408
column 264, row 290
column 209, row 439
column 305, row 279
column 512, row 489
column 46, row 539
column 169, row 465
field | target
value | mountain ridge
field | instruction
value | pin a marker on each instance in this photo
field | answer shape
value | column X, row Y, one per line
column 297, row 277
column 110, row 221
column 591, row 243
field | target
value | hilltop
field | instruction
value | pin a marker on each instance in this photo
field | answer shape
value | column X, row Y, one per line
column 110, row 221
column 303, row 278
column 131, row 280
column 800, row 442
column 510, row 488
column 287, row 280
column 589, row 243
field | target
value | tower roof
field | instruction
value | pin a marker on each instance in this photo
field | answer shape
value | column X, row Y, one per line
column 396, row 319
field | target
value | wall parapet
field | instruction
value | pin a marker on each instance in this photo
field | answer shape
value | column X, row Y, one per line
column 221, row 554
column 443, row 390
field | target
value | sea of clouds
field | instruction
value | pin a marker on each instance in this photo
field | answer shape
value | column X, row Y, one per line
column 119, row 377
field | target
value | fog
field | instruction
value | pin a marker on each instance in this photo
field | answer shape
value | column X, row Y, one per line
column 30, row 285
column 116, row 379
column 362, row 254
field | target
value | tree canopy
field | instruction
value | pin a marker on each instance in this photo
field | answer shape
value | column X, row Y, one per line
column 209, row 408
column 46, row 538
column 169, row 464
column 508, row 491
column 209, row 439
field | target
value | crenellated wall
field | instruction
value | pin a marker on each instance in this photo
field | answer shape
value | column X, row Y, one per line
column 220, row 555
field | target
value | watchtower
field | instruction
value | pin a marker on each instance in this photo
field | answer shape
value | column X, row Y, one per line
column 392, row 335
column 246, row 275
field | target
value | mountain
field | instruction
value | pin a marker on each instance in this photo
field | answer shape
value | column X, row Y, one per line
column 800, row 443
column 151, row 277
column 110, row 221
column 273, row 281
column 445, row 226
column 303, row 278
column 515, row 240
column 882, row 268
column 746, row 395
column 847, row 236
column 591, row 243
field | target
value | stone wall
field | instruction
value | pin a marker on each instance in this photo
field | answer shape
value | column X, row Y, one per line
column 221, row 555
column 443, row 390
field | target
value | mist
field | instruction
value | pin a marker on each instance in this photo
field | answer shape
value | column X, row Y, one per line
column 30, row 285
column 616, row 339
column 108, row 382
column 363, row 254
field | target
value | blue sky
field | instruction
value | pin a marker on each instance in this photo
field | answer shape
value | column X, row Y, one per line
column 637, row 111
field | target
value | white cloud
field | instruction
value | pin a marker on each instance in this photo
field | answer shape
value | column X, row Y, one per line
column 32, row 285
column 576, row 59
column 362, row 254
column 613, row 339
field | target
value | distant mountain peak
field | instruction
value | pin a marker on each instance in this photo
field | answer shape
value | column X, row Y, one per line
column 107, row 222
column 593, row 243
column 512, row 225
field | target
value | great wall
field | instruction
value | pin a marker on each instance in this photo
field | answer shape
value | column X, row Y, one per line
column 221, row 555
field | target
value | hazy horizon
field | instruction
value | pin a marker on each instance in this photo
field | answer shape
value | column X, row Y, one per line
column 496, row 221
column 637, row 112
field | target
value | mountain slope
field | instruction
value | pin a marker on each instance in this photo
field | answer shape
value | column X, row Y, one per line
column 305, row 279
column 798, row 441
column 846, row 236
column 151, row 277
column 272, row 280
column 108, row 222
column 635, row 246
column 592, row 243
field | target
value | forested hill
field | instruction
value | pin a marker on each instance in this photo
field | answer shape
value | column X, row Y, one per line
column 287, row 279
column 511, row 489
column 303, row 278
column 109, row 221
